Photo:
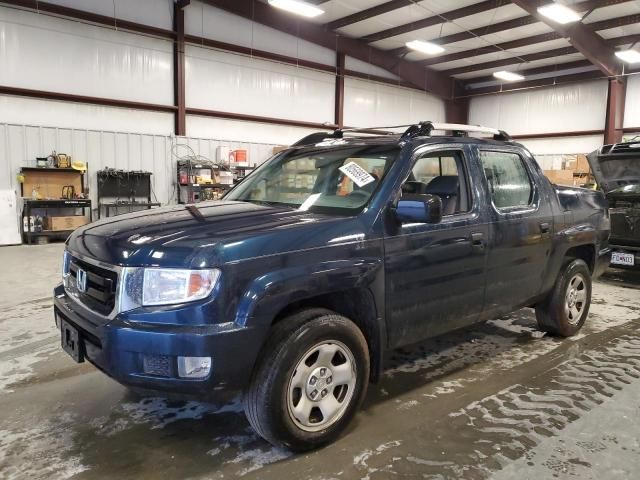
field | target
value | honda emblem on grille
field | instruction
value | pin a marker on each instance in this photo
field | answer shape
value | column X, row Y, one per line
column 81, row 280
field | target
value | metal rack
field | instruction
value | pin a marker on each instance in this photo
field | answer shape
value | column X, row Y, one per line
column 192, row 191
column 29, row 205
column 130, row 185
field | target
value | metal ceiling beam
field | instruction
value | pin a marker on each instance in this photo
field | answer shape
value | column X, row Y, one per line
column 532, row 40
column 368, row 13
column 541, row 82
column 612, row 42
column 508, row 25
column 585, row 40
column 535, row 71
column 557, row 52
column 436, row 20
column 419, row 76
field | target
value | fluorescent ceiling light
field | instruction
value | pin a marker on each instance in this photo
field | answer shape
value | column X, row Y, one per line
column 629, row 56
column 425, row 47
column 559, row 13
column 297, row 7
column 508, row 76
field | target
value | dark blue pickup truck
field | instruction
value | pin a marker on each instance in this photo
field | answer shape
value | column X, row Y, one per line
column 333, row 252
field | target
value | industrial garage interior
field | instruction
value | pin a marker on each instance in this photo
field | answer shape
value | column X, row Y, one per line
column 156, row 299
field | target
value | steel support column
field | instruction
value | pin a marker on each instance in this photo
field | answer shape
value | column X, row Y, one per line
column 339, row 96
column 178, row 70
column 457, row 111
column 615, row 110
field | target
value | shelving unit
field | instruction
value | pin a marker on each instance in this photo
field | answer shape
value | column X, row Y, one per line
column 49, row 183
column 193, row 184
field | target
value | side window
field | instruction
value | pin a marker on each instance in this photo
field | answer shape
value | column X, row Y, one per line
column 508, row 179
column 441, row 173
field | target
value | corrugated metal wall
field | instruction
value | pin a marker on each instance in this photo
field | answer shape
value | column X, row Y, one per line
column 575, row 107
column 632, row 105
column 21, row 144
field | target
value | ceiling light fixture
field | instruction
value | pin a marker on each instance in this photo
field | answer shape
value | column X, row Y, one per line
column 424, row 47
column 298, row 7
column 630, row 55
column 559, row 13
column 508, row 76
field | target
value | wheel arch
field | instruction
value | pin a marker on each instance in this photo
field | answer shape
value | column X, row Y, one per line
column 358, row 305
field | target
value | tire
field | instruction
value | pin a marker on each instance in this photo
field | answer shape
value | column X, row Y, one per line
column 278, row 402
column 566, row 308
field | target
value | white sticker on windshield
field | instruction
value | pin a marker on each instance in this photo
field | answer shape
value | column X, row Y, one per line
column 356, row 173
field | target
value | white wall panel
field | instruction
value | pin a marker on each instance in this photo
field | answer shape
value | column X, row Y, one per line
column 563, row 145
column 572, row 107
column 157, row 13
column 374, row 104
column 22, row 110
column 209, row 22
column 21, row 144
column 240, row 131
column 632, row 105
column 235, row 83
column 48, row 53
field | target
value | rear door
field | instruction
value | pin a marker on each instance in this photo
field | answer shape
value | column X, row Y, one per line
column 520, row 231
column 435, row 273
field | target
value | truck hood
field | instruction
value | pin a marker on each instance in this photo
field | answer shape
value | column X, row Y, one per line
column 207, row 234
column 613, row 171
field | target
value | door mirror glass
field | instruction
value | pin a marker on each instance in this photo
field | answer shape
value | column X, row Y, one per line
column 422, row 208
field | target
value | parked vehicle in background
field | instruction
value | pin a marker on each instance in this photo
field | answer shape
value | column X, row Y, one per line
column 617, row 170
column 296, row 285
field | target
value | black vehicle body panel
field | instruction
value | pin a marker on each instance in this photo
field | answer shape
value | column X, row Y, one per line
column 617, row 171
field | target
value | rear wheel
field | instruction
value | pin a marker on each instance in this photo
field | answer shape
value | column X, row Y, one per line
column 565, row 309
column 309, row 381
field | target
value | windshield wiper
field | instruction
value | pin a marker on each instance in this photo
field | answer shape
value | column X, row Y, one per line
column 270, row 204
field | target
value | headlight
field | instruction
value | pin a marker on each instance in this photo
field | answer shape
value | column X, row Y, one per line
column 165, row 286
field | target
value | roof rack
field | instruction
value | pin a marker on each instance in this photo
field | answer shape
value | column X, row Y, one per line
column 422, row 129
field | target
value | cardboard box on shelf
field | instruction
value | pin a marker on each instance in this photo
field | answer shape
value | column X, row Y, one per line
column 278, row 149
column 560, row 177
column 582, row 164
column 64, row 223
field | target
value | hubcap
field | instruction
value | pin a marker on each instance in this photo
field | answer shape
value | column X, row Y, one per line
column 575, row 299
column 321, row 386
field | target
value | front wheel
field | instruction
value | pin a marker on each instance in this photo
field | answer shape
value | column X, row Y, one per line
column 565, row 309
column 310, row 380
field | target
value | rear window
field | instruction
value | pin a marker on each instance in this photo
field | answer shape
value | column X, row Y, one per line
column 508, row 179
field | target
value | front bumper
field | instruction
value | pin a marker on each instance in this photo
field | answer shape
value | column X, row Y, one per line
column 118, row 347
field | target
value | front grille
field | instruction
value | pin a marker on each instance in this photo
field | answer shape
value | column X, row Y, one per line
column 99, row 294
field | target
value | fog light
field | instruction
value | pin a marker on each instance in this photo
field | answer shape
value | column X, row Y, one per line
column 194, row 367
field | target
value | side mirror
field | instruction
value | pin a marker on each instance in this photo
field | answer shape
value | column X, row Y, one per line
column 423, row 208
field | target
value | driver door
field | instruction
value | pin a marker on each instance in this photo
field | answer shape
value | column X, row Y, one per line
column 435, row 273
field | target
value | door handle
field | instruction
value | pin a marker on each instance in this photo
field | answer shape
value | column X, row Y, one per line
column 477, row 241
column 545, row 227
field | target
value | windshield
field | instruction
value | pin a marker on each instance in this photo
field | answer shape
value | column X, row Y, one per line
column 335, row 181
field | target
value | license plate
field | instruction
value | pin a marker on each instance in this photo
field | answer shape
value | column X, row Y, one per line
column 70, row 339
column 619, row 258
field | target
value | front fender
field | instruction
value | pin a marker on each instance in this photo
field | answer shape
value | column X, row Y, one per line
column 268, row 294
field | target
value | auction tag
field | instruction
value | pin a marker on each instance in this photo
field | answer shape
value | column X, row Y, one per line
column 356, row 173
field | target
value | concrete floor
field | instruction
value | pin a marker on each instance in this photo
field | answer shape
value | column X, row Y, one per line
column 496, row 400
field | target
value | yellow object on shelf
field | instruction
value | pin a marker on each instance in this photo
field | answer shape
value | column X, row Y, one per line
column 79, row 165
